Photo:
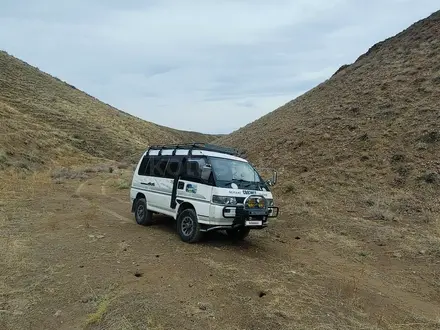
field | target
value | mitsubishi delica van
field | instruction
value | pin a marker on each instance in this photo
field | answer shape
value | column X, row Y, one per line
column 203, row 187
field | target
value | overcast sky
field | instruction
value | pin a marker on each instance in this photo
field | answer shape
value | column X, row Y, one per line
column 210, row 66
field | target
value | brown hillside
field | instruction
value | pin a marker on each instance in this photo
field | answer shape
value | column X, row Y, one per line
column 44, row 119
column 359, row 153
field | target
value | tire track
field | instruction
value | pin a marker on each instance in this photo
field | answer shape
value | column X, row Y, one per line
column 116, row 215
column 104, row 193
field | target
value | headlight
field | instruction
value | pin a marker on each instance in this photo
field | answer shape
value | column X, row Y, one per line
column 224, row 200
column 270, row 202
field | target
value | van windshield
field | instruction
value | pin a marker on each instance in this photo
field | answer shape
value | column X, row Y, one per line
column 231, row 173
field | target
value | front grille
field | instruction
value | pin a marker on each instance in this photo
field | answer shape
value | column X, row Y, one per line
column 240, row 200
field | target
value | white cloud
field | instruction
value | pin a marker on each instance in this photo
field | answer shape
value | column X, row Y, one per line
column 210, row 66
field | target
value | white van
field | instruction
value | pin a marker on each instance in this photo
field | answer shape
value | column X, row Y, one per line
column 204, row 187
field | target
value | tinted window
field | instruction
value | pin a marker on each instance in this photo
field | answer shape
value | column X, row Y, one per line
column 143, row 167
column 157, row 165
column 193, row 169
column 150, row 166
column 173, row 168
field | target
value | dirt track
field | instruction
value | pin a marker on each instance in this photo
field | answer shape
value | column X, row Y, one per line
column 75, row 258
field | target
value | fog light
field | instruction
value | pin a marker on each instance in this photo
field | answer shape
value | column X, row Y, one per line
column 256, row 202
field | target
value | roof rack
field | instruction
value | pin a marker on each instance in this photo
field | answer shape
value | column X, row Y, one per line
column 199, row 146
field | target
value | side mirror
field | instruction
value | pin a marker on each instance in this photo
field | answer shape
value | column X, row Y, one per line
column 206, row 172
column 273, row 181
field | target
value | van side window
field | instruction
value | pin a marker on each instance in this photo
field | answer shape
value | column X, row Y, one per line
column 193, row 169
column 143, row 167
column 159, row 165
column 173, row 168
column 150, row 166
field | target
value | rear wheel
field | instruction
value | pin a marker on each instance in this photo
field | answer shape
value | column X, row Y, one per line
column 238, row 234
column 188, row 227
column 143, row 216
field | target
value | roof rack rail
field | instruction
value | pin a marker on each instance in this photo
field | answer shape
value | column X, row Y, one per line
column 200, row 146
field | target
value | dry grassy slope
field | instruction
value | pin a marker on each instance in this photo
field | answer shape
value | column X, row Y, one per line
column 43, row 118
column 368, row 135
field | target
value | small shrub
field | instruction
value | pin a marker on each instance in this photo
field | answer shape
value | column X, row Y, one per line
column 123, row 185
column 364, row 137
column 90, row 170
column 431, row 137
column 64, row 173
column 421, row 146
column 123, row 166
column 289, row 188
column 3, row 157
column 99, row 169
column 23, row 164
column 403, row 171
column 364, row 158
column 430, row 177
column 397, row 158
column 399, row 181
column 95, row 318
column 377, row 213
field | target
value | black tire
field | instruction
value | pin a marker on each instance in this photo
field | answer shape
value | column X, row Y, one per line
column 238, row 234
column 141, row 213
column 188, row 227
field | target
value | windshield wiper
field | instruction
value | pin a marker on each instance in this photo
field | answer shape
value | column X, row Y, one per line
column 227, row 183
column 246, row 183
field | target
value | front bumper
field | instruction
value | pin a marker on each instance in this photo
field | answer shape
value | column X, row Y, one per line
column 249, row 218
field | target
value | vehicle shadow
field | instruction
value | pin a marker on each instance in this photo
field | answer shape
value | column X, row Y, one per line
column 212, row 238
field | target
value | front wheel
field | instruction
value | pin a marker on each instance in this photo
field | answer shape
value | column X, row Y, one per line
column 238, row 234
column 188, row 227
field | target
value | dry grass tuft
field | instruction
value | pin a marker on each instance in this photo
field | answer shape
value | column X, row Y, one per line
column 97, row 316
column 3, row 157
column 123, row 184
